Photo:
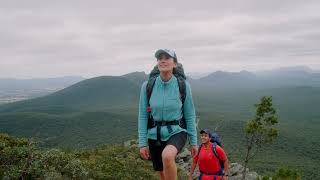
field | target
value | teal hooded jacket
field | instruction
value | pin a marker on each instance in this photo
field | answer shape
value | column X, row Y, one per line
column 166, row 105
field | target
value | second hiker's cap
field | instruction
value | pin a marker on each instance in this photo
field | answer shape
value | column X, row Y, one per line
column 207, row 131
column 166, row 51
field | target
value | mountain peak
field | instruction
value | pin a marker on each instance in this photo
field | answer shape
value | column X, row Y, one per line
column 136, row 77
column 219, row 74
column 224, row 74
column 288, row 71
column 137, row 73
column 296, row 68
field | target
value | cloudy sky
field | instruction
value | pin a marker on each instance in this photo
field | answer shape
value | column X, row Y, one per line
column 48, row 38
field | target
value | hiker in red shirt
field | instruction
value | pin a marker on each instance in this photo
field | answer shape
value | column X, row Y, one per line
column 212, row 160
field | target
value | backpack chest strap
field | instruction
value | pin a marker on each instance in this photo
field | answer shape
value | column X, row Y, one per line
column 166, row 123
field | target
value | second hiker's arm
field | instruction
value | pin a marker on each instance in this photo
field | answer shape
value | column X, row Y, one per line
column 226, row 166
column 143, row 117
column 193, row 167
column 224, row 157
column 190, row 116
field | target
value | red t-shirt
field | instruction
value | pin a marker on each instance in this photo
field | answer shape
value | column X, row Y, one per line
column 208, row 162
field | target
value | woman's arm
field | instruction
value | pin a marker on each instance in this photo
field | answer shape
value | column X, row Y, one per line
column 143, row 117
column 190, row 115
column 226, row 168
column 223, row 156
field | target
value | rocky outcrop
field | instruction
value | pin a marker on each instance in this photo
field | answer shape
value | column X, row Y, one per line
column 235, row 172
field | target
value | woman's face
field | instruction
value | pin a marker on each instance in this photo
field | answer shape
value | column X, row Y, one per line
column 204, row 138
column 166, row 63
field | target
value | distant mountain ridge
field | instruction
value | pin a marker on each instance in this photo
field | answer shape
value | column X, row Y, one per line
column 136, row 77
column 105, row 91
column 12, row 90
column 228, row 76
column 111, row 92
column 299, row 72
column 294, row 69
column 282, row 77
column 38, row 83
column 98, row 92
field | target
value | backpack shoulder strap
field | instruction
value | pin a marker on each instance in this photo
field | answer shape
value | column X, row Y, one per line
column 149, row 87
column 199, row 148
column 214, row 150
column 182, row 88
column 221, row 162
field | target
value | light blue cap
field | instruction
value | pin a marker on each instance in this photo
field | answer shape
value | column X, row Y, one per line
column 166, row 51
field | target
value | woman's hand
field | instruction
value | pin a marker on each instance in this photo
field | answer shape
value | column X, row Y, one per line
column 190, row 177
column 144, row 152
column 194, row 150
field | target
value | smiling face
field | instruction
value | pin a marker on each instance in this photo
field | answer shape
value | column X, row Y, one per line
column 205, row 138
column 166, row 63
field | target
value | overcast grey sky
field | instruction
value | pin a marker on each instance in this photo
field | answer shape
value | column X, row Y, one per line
column 92, row 38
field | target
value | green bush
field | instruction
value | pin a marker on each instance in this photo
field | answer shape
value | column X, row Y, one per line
column 284, row 173
column 22, row 158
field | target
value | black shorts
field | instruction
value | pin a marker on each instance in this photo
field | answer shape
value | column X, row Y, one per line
column 177, row 140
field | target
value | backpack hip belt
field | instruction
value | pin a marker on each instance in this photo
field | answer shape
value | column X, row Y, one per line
column 212, row 174
column 159, row 124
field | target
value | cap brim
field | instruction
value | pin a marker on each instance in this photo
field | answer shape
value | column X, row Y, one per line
column 159, row 52
column 203, row 131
